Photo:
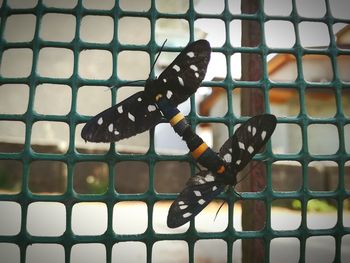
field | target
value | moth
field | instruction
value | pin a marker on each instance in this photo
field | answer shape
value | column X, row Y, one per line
column 160, row 98
column 139, row 112
column 222, row 168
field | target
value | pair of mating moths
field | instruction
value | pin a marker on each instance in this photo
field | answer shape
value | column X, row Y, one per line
column 161, row 96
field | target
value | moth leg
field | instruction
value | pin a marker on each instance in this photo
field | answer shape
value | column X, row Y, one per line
column 198, row 166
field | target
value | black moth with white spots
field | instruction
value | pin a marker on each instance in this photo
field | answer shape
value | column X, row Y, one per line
column 139, row 113
column 236, row 152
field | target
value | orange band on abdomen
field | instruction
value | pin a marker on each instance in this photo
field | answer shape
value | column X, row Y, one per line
column 174, row 120
column 221, row 169
column 199, row 150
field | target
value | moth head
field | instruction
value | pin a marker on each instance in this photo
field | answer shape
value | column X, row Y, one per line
column 231, row 174
column 228, row 177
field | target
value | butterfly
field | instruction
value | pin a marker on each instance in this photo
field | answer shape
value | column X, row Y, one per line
column 139, row 112
column 235, row 154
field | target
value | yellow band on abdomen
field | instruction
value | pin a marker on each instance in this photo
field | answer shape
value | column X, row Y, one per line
column 199, row 150
column 174, row 120
column 158, row 97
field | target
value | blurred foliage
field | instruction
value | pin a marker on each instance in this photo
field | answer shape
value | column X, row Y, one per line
column 96, row 184
column 346, row 204
column 315, row 205
column 6, row 183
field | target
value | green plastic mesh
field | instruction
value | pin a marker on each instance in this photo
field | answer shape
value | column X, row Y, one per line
column 26, row 156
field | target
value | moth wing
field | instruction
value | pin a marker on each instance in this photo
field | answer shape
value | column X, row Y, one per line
column 198, row 193
column 185, row 74
column 248, row 139
column 135, row 115
column 125, row 119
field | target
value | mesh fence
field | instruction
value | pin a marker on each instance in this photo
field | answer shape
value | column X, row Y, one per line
column 21, row 51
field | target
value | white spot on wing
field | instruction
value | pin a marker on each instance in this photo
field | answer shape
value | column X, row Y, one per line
column 263, row 135
column 100, row 121
column 116, row 132
column 181, row 202
column 228, row 157
column 151, row 108
column 164, row 80
column 190, row 54
column 169, row 94
column 188, row 214
column 197, row 75
column 250, row 149
column 120, row 109
column 182, row 207
column 241, row 145
column 194, row 67
column 238, row 162
column 209, row 178
column 197, row 193
column 139, row 99
column 201, row 181
column 214, row 188
column 131, row 117
column 201, row 201
column 176, row 67
column 181, row 81
column 249, row 128
column 110, row 127
column 254, row 131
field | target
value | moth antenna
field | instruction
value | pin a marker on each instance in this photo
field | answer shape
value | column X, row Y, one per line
column 153, row 65
column 126, row 84
column 234, row 189
column 217, row 212
column 155, row 61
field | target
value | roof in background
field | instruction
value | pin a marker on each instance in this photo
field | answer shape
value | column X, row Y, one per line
column 275, row 64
